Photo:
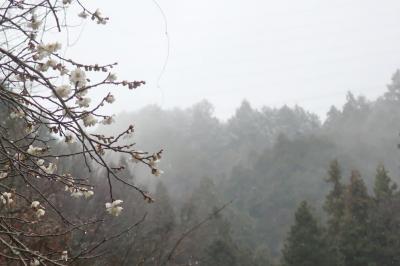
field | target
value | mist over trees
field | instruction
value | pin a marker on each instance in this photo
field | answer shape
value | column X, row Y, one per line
column 154, row 187
column 295, row 182
column 269, row 160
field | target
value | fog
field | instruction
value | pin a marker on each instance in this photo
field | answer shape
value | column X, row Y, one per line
column 267, row 160
column 240, row 95
column 266, row 134
column 269, row 52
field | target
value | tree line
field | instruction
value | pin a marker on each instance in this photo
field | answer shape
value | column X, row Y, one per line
column 361, row 228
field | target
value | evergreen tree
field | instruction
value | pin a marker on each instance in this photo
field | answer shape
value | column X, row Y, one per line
column 393, row 93
column 384, row 228
column 354, row 244
column 334, row 202
column 305, row 245
column 384, row 188
column 334, row 207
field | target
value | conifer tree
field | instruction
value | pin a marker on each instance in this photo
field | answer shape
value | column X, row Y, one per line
column 384, row 188
column 384, row 228
column 334, row 207
column 354, row 244
column 305, row 245
column 334, row 202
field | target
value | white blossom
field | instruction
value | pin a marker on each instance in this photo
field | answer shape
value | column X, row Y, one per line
column 50, row 169
column 63, row 71
column 42, row 67
column 53, row 47
column 40, row 212
column 76, row 193
column 110, row 98
column 63, row 91
column 51, row 62
column 64, row 255
column 32, row 150
column 117, row 202
column 97, row 13
column 42, row 51
column 78, row 78
column 88, row 193
column 82, row 92
column 89, row 120
column 70, row 186
column 153, row 161
column 112, row 77
column 45, row 50
column 35, row 23
column 35, row 204
column 6, row 198
column 83, row 102
column 157, row 172
column 114, row 208
column 108, row 120
column 136, row 156
column 17, row 114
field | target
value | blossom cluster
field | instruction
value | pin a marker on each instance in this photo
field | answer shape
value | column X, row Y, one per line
column 114, row 207
column 6, row 198
column 45, row 91
column 38, row 209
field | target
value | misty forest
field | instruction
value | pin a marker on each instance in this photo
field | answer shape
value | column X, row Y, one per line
column 155, row 186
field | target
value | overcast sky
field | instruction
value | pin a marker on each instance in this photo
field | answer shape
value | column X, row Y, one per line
column 305, row 52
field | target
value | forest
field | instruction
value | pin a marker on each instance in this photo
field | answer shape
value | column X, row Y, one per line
column 267, row 162
column 298, row 191
column 161, row 186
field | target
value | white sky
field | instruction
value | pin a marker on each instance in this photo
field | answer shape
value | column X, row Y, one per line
column 270, row 52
